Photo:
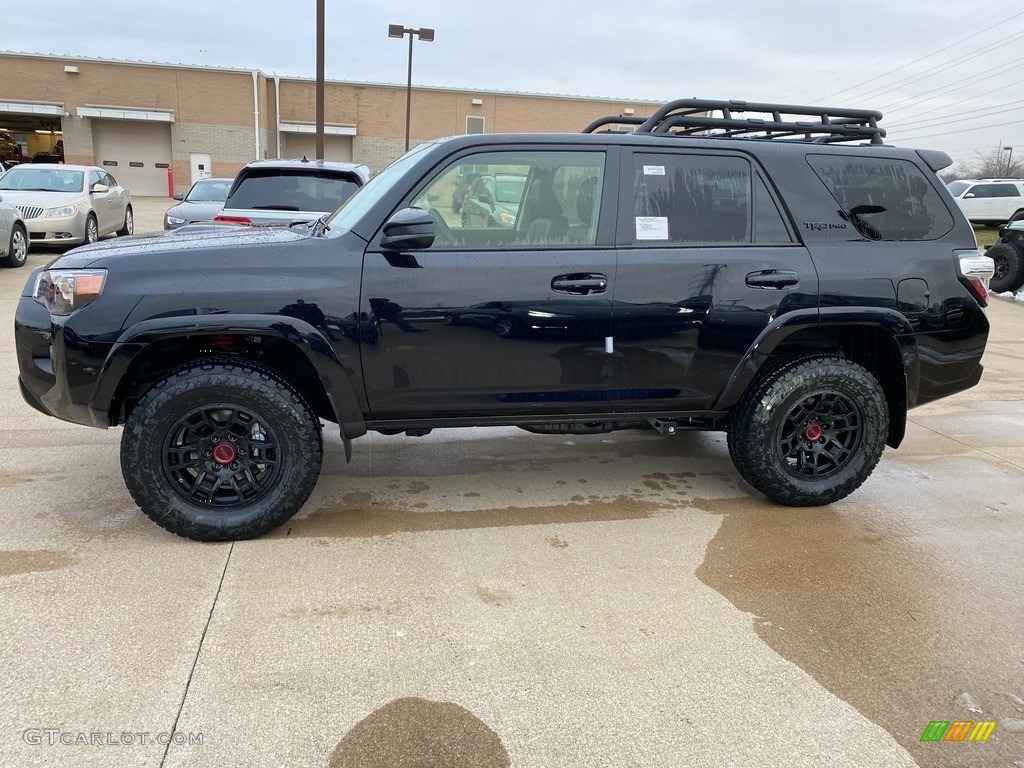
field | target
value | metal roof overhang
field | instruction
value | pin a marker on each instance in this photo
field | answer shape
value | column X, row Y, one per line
column 121, row 113
column 329, row 130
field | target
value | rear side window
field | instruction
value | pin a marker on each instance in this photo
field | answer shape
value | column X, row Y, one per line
column 284, row 190
column 708, row 199
column 885, row 199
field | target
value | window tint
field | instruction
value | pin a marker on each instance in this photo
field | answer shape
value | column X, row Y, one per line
column 982, row 190
column 769, row 226
column 1005, row 190
column 680, row 198
column 884, row 199
column 516, row 199
column 285, row 190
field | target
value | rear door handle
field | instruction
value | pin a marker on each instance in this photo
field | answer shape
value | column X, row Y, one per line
column 580, row 283
column 773, row 279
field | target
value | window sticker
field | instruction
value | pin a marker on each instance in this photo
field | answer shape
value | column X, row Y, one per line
column 654, row 170
column 652, row 227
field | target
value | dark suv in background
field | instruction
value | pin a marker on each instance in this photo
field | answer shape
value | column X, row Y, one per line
column 773, row 271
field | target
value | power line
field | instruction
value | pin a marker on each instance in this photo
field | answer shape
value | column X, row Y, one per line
column 962, row 130
column 928, row 56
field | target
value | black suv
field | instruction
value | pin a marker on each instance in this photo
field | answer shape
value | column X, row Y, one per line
column 785, row 277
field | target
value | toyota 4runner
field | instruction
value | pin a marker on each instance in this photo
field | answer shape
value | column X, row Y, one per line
column 773, row 271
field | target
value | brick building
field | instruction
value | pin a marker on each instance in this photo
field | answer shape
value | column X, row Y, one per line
column 141, row 120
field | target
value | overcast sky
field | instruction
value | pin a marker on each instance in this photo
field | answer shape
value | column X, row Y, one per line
column 947, row 75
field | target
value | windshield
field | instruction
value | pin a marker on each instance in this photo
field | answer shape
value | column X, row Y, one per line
column 208, row 192
column 346, row 216
column 42, row 180
column 283, row 189
column 956, row 188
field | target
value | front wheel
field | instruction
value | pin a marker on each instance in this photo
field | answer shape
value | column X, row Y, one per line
column 17, row 248
column 92, row 230
column 128, row 228
column 221, row 450
column 811, row 431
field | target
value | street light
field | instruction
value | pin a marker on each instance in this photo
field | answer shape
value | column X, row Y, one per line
column 1009, row 160
column 427, row 36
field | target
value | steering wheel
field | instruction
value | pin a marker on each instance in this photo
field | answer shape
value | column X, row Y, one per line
column 443, row 233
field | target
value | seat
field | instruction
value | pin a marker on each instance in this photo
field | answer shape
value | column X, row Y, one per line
column 586, row 201
column 547, row 219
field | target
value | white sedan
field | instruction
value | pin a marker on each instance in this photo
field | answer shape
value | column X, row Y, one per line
column 67, row 204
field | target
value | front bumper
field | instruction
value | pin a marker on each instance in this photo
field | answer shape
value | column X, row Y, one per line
column 66, row 230
column 58, row 371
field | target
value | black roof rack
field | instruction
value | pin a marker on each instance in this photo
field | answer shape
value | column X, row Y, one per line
column 695, row 117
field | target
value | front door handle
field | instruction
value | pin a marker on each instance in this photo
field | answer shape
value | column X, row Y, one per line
column 773, row 279
column 580, row 283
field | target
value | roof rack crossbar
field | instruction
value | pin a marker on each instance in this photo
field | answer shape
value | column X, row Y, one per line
column 792, row 122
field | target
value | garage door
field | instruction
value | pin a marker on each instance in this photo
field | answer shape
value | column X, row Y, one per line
column 304, row 144
column 134, row 152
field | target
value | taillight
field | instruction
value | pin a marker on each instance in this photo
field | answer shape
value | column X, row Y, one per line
column 232, row 219
column 975, row 270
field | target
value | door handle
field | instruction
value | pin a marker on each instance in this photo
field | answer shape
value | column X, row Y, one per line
column 773, row 279
column 581, row 284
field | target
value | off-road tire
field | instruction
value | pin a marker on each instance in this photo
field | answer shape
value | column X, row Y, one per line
column 1009, row 263
column 287, row 439
column 763, row 433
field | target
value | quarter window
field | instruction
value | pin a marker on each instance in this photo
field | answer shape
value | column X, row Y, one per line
column 516, row 200
column 884, row 199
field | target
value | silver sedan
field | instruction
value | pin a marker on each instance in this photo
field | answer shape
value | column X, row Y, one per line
column 68, row 204
column 13, row 237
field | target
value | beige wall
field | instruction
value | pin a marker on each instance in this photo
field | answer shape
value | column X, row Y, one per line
column 213, row 109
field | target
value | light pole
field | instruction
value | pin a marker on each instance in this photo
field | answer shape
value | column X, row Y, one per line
column 1009, row 160
column 427, row 36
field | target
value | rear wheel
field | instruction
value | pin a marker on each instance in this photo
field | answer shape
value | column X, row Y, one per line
column 221, row 450
column 17, row 248
column 811, row 431
column 1009, row 267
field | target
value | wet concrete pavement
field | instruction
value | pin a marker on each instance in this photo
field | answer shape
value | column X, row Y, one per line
column 493, row 598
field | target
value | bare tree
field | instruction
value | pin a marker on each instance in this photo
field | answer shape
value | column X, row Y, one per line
column 996, row 163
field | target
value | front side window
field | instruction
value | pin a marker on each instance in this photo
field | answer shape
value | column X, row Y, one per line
column 515, row 200
column 885, row 199
column 689, row 198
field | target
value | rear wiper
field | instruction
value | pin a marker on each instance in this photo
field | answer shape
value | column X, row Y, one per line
column 276, row 208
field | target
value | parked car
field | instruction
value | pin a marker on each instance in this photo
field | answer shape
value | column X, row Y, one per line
column 51, row 157
column 203, row 202
column 286, row 191
column 493, row 200
column 991, row 202
column 10, row 150
column 68, row 204
column 783, row 277
column 1008, row 256
column 13, row 236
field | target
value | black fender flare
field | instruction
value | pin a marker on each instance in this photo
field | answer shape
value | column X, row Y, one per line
column 893, row 323
column 334, row 377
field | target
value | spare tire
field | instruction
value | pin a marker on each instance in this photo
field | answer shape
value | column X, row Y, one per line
column 1009, row 267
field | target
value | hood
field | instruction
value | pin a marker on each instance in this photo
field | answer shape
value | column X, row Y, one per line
column 165, row 245
column 204, row 211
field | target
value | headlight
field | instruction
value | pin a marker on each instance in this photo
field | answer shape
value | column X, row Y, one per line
column 62, row 291
column 63, row 212
column 175, row 220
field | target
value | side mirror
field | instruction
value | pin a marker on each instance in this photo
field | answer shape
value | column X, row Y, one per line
column 968, row 195
column 178, row 196
column 408, row 229
column 99, row 188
